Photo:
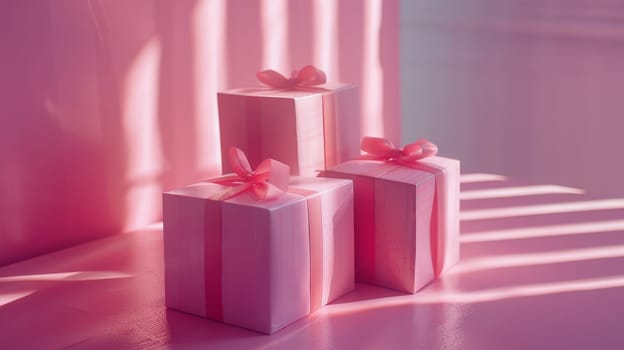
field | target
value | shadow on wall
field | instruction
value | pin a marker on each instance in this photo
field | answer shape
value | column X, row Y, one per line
column 108, row 104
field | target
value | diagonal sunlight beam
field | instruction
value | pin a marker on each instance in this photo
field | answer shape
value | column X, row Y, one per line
column 528, row 290
column 433, row 296
column 66, row 276
column 480, row 177
column 518, row 191
column 543, row 231
column 542, row 209
column 6, row 298
column 529, row 259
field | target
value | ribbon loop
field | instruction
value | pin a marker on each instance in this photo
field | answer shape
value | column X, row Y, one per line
column 239, row 163
column 378, row 148
column 306, row 76
column 269, row 180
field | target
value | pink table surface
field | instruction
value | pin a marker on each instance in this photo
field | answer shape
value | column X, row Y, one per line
column 542, row 267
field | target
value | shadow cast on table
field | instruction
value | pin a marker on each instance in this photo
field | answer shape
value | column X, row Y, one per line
column 536, row 283
column 48, row 314
column 73, row 270
column 512, row 279
column 407, row 322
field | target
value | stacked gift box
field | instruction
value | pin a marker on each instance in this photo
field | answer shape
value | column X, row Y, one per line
column 260, row 248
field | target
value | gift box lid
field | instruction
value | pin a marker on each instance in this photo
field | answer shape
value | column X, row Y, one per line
column 362, row 167
column 409, row 175
column 212, row 191
column 317, row 184
column 288, row 93
column 311, row 185
column 392, row 172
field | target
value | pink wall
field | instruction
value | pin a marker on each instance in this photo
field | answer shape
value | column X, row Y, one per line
column 107, row 103
column 527, row 88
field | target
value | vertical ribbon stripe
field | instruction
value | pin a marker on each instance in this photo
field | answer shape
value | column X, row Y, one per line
column 364, row 224
column 315, row 229
column 316, row 252
column 364, row 209
column 438, row 241
column 435, row 240
column 329, row 130
column 212, row 260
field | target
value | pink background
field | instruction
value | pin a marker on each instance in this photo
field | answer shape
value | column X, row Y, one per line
column 531, row 89
column 523, row 87
column 106, row 104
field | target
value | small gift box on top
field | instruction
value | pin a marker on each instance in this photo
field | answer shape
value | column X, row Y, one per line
column 406, row 213
column 258, row 249
column 301, row 121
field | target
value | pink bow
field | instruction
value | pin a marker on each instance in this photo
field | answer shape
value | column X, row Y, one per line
column 307, row 76
column 269, row 180
column 378, row 148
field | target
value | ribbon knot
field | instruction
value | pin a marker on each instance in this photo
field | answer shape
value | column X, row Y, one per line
column 306, row 76
column 378, row 148
column 269, row 180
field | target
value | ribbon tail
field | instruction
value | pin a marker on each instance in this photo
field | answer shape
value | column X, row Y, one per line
column 272, row 191
column 275, row 172
column 310, row 88
column 235, row 191
column 267, row 190
column 228, row 180
column 371, row 157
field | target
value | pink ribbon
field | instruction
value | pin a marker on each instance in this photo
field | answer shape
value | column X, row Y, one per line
column 269, row 180
column 378, row 148
column 306, row 76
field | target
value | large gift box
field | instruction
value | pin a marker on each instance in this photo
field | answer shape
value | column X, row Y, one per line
column 406, row 213
column 257, row 263
column 300, row 121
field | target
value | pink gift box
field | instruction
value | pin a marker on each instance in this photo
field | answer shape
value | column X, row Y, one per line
column 258, row 264
column 406, row 220
column 309, row 129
